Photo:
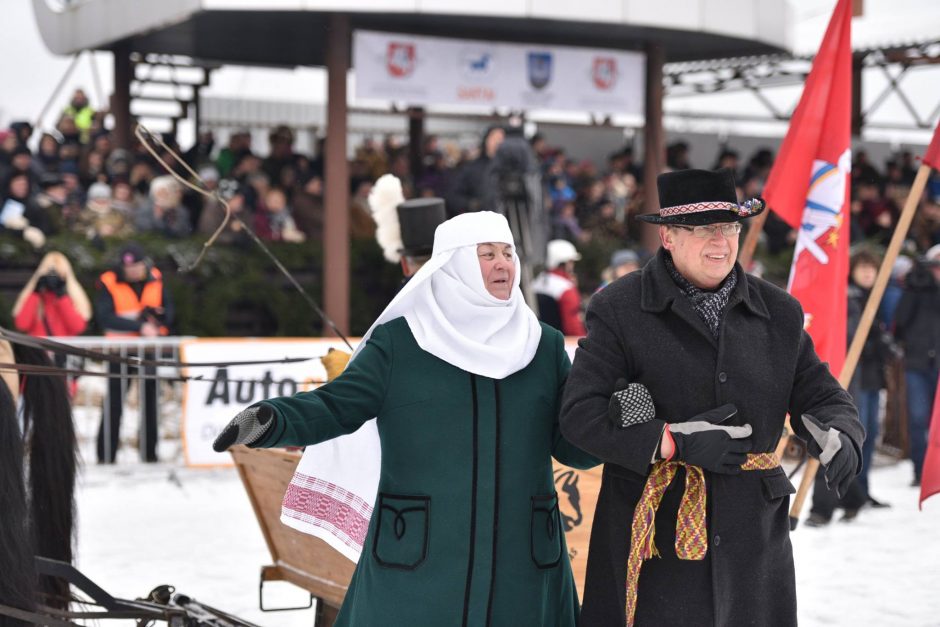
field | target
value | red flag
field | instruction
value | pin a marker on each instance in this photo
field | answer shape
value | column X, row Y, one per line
column 809, row 188
column 930, row 474
column 932, row 156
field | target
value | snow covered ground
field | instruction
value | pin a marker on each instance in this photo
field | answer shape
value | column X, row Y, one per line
column 145, row 525
column 142, row 525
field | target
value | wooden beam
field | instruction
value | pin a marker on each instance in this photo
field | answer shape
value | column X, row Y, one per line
column 416, row 141
column 336, row 184
column 121, row 96
column 653, row 140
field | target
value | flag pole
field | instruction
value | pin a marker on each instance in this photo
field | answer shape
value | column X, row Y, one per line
column 746, row 254
column 868, row 317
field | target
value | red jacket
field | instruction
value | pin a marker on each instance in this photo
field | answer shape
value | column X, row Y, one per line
column 559, row 301
column 49, row 314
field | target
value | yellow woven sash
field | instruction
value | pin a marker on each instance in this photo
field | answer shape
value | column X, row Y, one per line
column 691, row 528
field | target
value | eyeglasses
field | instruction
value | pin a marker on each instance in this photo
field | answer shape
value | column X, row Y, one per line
column 708, row 231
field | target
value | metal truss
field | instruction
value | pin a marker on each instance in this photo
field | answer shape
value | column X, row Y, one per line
column 759, row 74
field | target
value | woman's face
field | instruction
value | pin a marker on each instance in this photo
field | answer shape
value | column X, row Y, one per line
column 498, row 268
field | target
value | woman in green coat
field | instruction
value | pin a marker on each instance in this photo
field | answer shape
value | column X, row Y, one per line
column 465, row 385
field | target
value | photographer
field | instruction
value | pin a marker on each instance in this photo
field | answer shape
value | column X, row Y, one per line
column 131, row 301
column 52, row 303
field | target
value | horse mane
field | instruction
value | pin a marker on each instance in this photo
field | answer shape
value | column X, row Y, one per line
column 52, row 455
column 18, row 574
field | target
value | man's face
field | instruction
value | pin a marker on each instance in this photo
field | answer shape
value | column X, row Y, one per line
column 498, row 268
column 136, row 271
column 493, row 140
column 79, row 99
column 58, row 193
column 705, row 262
column 624, row 269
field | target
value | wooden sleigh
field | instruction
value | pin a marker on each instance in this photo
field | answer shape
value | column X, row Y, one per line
column 297, row 558
column 314, row 566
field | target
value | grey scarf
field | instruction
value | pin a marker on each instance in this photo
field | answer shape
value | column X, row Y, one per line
column 709, row 305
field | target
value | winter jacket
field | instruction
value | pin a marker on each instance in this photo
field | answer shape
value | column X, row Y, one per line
column 917, row 320
column 466, row 528
column 643, row 329
column 47, row 313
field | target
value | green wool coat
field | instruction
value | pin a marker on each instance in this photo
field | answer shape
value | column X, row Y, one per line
column 466, row 528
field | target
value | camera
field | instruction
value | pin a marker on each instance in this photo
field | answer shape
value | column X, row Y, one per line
column 152, row 314
column 51, row 282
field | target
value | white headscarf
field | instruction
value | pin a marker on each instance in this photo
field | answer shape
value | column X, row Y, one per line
column 453, row 317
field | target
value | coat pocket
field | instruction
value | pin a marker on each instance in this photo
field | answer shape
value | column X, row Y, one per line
column 546, row 530
column 777, row 485
column 401, row 531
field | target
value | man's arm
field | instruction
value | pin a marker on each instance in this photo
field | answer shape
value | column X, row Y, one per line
column 817, row 393
column 599, row 362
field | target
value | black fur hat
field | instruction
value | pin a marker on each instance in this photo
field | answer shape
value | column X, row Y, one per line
column 696, row 197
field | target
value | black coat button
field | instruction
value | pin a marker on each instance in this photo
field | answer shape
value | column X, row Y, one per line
column 722, row 377
column 716, row 540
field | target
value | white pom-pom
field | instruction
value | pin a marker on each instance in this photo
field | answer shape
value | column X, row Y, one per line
column 385, row 196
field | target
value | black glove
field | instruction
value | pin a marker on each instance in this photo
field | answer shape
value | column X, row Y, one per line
column 630, row 404
column 704, row 443
column 247, row 427
column 835, row 451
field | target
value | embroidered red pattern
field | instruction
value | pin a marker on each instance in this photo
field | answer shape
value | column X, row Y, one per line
column 328, row 506
column 697, row 207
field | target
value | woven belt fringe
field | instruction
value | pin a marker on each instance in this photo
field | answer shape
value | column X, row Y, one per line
column 691, row 528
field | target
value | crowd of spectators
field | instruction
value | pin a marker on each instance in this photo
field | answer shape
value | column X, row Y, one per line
column 76, row 180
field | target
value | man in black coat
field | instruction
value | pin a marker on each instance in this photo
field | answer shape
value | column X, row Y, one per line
column 470, row 187
column 712, row 345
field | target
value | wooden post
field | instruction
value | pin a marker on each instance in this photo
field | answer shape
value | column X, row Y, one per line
column 336, row 185
column 416, row 141
column 868, row 317
column 121, row 96
column 754, row 228
column 653, row 140
column 858, row 118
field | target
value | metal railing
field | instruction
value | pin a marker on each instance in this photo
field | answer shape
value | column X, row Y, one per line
column 149, row 380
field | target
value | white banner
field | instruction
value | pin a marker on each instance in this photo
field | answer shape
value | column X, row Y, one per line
column 209, row 405
column 431, row 70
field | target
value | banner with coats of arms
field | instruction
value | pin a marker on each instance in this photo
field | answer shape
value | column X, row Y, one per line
column 422, row 70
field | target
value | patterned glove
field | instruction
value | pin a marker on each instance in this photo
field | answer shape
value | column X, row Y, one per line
column 630, row 404
column 835, row 452
column 246, row 428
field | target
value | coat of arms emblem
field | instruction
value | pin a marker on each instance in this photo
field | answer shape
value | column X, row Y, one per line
column 540, row 69
column 400, row 59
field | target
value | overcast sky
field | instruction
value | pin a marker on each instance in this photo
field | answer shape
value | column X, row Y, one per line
column 29, row 72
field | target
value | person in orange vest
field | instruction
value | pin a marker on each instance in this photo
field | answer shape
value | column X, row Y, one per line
column 131, row 301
